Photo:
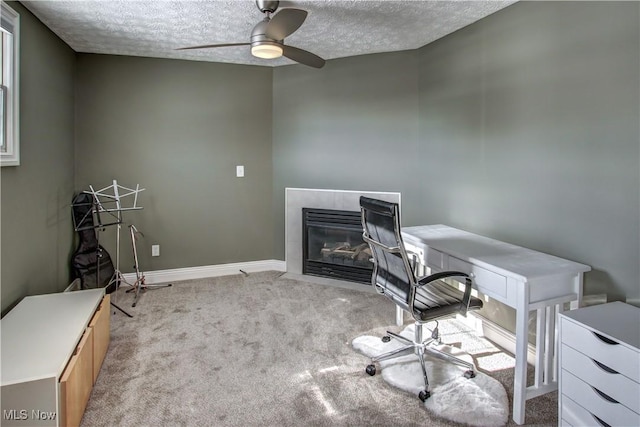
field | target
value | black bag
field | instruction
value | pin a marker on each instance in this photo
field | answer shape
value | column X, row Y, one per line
column 91, row 263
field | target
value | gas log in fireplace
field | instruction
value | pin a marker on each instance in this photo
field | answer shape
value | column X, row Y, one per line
column 332, row 245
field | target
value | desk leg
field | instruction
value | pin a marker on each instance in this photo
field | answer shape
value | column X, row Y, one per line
column 522, row 340
column 399, row 316
column 577, row 285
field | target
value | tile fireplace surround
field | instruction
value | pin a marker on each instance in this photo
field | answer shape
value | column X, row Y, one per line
column 298, row 198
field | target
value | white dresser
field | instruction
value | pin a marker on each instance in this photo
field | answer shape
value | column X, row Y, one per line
column 599, row 366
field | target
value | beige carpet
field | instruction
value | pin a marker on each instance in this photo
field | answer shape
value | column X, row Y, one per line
column 262, row 350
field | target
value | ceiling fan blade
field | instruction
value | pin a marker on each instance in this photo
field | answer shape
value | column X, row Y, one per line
column 284, row 23
column 303, row 57
column 206, row 46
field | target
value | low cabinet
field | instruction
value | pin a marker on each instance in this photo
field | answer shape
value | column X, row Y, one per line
column 52, row 349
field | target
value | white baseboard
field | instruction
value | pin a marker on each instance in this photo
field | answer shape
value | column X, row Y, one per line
column 497, row 334
column 202, row 272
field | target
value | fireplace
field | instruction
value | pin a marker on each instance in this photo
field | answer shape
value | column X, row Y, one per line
column 332, row 245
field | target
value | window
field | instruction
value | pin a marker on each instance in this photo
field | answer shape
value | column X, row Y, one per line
column 9, row 123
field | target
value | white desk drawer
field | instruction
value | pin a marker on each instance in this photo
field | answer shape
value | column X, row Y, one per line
column 434, row 259
column 611, row 412
column 427, row 256
column 575, row 415
column 598, row 375
column 616, row 356
column 485, row 281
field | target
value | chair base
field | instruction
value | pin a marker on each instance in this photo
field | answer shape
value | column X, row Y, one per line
column 420, row 347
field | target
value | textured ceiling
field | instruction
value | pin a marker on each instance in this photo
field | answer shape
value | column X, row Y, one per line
column 333, row 29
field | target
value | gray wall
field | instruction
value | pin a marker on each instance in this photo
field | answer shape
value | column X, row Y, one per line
column 36, row 220
column 338, row 127
column 538, row 108
column 521, row 127
column 179, row 128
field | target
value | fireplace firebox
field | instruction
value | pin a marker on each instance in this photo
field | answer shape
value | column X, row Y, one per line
column 332, row 245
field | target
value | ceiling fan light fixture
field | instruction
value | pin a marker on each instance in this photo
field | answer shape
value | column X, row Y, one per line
column 267, row 36
column 266, row 51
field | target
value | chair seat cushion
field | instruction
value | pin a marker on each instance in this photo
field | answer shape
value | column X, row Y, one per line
column 437, row 299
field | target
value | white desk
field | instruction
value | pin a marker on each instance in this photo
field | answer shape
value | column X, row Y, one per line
column 518, row 277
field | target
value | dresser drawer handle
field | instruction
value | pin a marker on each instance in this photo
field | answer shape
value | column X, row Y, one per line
column 605, row 367
column 602, row 423
column 605, row 339
column 604, row 396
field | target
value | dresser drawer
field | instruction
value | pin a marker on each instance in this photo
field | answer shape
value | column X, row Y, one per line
column 564, row 423
column 603, row 407
column 575, row 415
column 484, row 280
column 616, row 356
column 601, row 376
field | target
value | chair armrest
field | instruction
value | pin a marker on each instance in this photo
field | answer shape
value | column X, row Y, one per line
column 466, row 298
column 440, row 275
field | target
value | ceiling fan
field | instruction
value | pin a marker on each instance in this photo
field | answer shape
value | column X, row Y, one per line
column 267, row 37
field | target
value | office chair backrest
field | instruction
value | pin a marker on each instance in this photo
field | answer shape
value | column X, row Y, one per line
column 392, row 273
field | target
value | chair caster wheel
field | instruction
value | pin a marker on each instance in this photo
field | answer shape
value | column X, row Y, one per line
column 424, row 395
column 386, row 338
column 371, row 370
column 469, row 374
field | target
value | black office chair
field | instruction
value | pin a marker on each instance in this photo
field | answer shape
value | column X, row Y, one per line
column 426, row 298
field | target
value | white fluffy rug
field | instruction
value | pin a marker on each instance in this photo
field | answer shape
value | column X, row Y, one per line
column 481, row 401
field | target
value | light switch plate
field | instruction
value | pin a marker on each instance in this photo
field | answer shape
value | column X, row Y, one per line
column 239, row 171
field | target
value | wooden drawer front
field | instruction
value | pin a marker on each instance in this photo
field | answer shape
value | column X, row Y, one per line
column 600, row 376
column 575, row 415
column 100, row 326
column 611, row 412
column 484, row 280
column 616, row 356
column 76, row 382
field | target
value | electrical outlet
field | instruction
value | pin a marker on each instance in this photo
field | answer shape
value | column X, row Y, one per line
column 155, row 250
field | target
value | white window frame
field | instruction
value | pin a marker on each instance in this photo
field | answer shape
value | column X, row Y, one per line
column 11, row 72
